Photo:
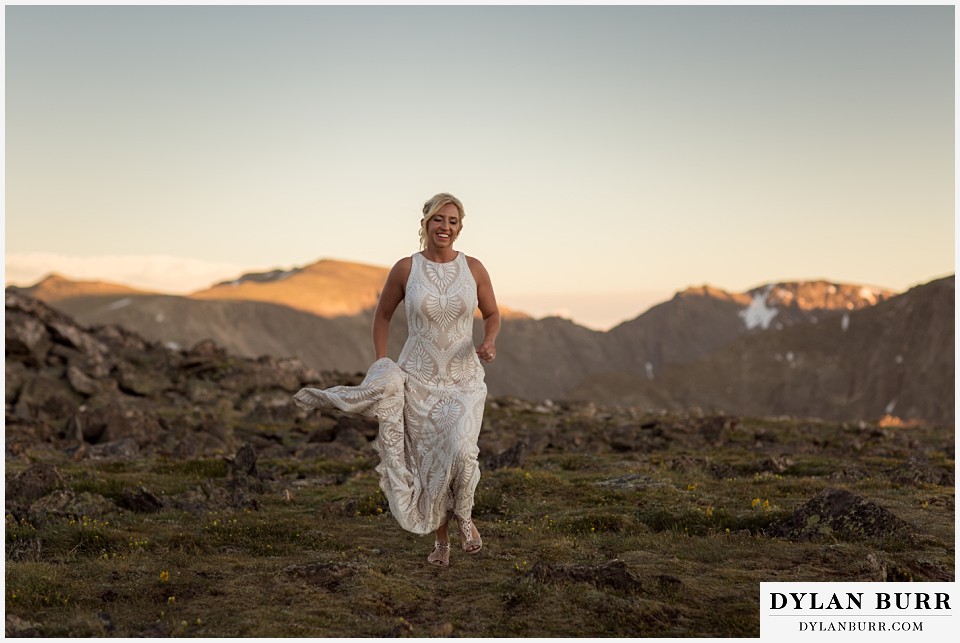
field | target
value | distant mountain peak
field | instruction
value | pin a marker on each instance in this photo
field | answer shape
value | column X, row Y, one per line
column 53, row 277
column 327, row 287
column 260, row 277
column 821, row 294
column 807, row 295
column 706, row 290
column 55, row 287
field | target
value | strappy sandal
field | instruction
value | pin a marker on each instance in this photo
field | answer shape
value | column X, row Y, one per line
column 440, row 555
column 470, row 544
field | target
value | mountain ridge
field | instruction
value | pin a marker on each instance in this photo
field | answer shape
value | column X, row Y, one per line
column 549, row 358
column 54, row 286
column 870, row 363
column 352, row 287
column 348, row 288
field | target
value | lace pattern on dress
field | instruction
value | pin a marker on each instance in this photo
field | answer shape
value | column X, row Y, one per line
column 429, row 403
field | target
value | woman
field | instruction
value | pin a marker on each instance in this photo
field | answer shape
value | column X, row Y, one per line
column 429, row 469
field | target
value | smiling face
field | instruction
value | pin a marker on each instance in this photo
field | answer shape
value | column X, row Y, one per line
column 442, row 221
column 443, row 227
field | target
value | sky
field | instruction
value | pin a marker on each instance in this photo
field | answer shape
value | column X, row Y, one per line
column 606, row 157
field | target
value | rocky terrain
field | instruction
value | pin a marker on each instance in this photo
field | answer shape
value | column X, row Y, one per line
column 108, row 391
column 158, row 491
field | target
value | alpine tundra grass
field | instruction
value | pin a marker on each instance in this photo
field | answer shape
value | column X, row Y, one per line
column 664, row 538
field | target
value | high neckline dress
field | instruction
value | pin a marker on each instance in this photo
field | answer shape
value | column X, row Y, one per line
column 429, row 403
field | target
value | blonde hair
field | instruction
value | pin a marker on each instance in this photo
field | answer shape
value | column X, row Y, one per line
column 430, row 208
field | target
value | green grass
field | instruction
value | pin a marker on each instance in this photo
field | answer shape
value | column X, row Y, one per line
column 696, row 543
column 193, row 469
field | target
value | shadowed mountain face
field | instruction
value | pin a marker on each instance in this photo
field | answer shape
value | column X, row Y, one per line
column 895, row 358
column 803, row 348
column 699, row 321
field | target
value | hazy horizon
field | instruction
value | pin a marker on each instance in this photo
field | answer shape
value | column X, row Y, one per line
column 593, row 310
column 607, row 156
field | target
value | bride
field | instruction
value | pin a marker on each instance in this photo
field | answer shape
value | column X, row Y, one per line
column 429, row 426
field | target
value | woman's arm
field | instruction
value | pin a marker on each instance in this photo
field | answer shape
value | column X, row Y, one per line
column 487, row 302
column 390, row 298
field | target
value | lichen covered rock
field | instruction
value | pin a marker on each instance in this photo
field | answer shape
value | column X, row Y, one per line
column 837, row 513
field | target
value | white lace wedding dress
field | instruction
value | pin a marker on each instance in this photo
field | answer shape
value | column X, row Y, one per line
column 429, row 403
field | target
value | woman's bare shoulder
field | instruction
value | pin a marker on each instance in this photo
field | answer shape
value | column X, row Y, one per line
column 401, row 270
column 477, row 270
column 473, row 262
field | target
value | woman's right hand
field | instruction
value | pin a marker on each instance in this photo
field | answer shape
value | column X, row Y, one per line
column 487, row 352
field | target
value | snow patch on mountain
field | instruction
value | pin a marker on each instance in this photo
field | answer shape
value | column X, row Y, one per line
column 758, row 313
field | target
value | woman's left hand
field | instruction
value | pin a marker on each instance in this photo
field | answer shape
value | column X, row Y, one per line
column 487, row 352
